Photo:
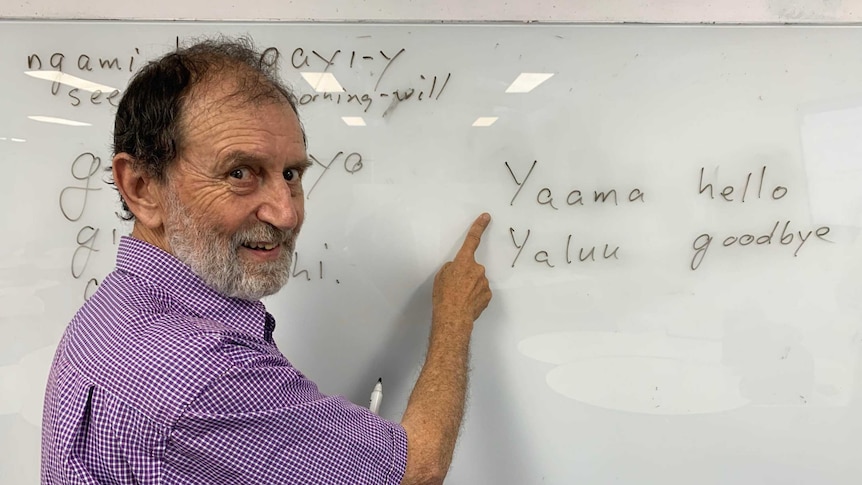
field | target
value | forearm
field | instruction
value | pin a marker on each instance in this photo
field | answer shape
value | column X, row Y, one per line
column 436, row 406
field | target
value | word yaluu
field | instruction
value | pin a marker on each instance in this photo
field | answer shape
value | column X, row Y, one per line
column 787, row 237
column 567, row 253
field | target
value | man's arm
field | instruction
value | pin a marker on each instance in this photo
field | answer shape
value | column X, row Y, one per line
column 436, row 405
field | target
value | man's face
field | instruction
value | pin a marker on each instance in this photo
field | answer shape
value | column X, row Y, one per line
column 234, row 199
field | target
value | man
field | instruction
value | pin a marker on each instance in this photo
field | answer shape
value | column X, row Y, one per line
column 169, row 374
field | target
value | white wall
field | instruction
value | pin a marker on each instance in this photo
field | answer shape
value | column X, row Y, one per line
column 662, row 11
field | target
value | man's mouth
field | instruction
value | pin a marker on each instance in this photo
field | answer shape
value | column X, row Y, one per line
column 261, row 246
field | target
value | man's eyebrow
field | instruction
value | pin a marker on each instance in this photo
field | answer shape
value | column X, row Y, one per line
column 239, row 157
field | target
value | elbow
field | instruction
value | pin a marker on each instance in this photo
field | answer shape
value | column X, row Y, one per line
column 425, row 471
column 429, row 454
column 430, row 475
column 436, row 473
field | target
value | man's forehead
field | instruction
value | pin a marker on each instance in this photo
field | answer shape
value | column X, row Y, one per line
column 234, row 84
column 210, row 103
column 222, row 92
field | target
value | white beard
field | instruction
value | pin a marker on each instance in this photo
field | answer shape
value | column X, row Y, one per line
column 214, row 256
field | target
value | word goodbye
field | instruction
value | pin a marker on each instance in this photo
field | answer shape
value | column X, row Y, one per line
column 788, row 237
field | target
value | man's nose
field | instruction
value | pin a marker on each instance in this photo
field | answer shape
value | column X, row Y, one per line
column 278, row 206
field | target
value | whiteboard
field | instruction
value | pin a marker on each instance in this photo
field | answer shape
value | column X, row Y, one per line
column 674, row 251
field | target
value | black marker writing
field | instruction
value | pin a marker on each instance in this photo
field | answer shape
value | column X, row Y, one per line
column 552, row 259
column 352, row 164
column 519, row 184
column 86, row 239
column 389, row 63
column 787, row 237
column 727, row 193
column 545, row 195
column 92, row 164
column 92, row 286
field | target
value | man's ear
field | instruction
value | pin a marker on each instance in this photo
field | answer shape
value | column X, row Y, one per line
column 141, row 192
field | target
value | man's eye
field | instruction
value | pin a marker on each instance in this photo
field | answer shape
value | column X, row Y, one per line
column 291, row 174
column 239, row 173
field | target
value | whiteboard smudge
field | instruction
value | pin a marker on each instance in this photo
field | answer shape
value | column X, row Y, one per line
column 646, row 373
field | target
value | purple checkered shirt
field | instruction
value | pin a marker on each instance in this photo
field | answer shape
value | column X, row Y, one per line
column 159, row 379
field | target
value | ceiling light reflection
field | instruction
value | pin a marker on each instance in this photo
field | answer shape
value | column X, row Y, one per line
column 485, row 121
column 69, row 80
column 353, row 120
column 322, row 82
column 527, row 81
column 59, row 121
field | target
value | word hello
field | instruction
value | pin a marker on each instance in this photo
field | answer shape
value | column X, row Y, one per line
column 730, row 193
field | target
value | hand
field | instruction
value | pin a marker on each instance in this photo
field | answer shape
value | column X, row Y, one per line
column 461, row 290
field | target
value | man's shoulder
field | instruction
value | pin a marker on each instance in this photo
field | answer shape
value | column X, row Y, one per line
column 135, row 341
column 127, row 310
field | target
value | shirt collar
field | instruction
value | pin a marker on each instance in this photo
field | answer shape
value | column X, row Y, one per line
column 162, row 269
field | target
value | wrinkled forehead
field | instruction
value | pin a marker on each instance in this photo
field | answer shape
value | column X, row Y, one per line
column 212, row 100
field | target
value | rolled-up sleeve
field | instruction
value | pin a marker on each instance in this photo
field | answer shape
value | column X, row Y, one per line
column 264, row 422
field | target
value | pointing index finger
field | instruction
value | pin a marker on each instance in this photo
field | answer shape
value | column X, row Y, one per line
column 474, row 237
